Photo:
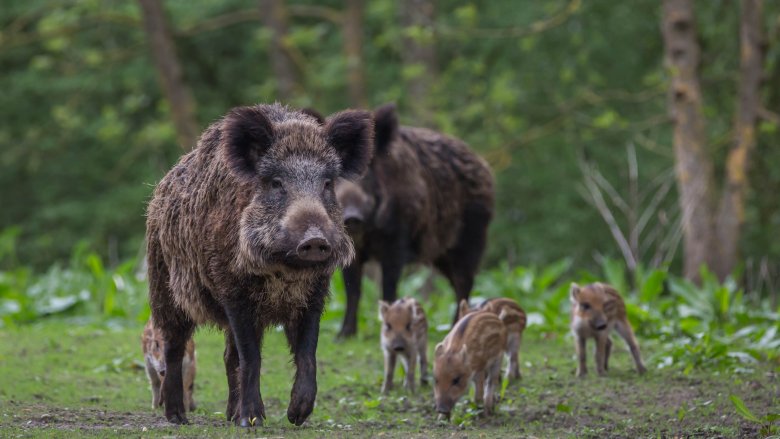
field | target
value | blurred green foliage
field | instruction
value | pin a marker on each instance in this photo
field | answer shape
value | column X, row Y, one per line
column 85, row 132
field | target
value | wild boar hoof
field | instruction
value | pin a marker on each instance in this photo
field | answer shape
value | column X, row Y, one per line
column 642, row 370
column 248, row 422
column 300, row 408
column 177, row 418
column 346, row 333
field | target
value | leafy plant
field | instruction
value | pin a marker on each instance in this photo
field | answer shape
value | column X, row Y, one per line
column 766, row 422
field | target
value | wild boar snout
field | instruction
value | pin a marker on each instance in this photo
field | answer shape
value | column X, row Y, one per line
column 314, row 246
column 599, row 323
column 310, row 231
column 353, row 217
column 398, row 345
column 444, row 406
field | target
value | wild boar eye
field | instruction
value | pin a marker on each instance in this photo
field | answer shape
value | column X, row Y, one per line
column 585, row 306
column 328, row 184
column 408, row 326
column 387, row 326
column 456, row 381
column 276, row 183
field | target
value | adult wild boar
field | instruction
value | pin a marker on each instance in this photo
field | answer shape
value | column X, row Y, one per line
column 425, row 198
column 244, row 233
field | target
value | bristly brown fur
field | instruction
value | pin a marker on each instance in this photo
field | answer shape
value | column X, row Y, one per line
column 428, row 199
column 225, row 229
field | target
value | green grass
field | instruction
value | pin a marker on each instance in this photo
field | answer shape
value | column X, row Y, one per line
column 59, row 379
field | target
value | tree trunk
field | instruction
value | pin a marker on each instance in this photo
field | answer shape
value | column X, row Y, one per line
column 353, row 50
column 169, row 73
column 274, row 16
column 694, row 169
column 732, row 204
column 419, row 55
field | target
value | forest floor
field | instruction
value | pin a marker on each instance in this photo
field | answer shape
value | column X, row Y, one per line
column 59, row 379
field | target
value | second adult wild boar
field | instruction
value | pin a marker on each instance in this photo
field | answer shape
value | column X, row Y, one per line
column 244, row 233
column 425, row 198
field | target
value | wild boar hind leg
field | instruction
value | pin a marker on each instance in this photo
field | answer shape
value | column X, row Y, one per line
column 247, row 338
column 624, row 329
column 423, row 356
column 303, row 335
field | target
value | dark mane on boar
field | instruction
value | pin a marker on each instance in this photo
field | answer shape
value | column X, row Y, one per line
column 244, row 232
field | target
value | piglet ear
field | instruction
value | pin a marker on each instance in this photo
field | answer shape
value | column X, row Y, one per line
column 463, row 308
column 351, row 133
column 439, row 350
column 386, row 127
column 574, row 292
column 246, row 136
column 383, row 307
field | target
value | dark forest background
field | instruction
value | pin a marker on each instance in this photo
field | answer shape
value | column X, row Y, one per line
column 582, row 108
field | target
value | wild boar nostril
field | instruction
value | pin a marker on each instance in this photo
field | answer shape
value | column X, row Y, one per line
column 314, row 249
column 398, row 348
column 601, row 327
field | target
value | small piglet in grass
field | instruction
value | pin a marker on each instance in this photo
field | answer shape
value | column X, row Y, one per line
column 154, row 355
column 471, row 351
column 404, row 334
column 514, row 319
column 597, row 309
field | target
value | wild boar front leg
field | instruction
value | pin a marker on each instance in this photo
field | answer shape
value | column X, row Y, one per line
column 582, row 365
column 607, row 353
column 512, row 348
column 601, row 353
column 387, row 384
column 303, row 336
column 247, row 340
column 409, row 363
column 492, row 383
column 479, row 387
column 154, row 380
column 624, row 329
column 173, row 383
column 231, row 370
column 352, row 275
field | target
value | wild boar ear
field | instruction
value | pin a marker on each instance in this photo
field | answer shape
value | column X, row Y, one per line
column 386, row 127
column 574, row 292
column 383, row 307
column 439, row 351
column 463, row 308
column 314, row 113
column 246, row 136
column 413, row 306
column 351, row 132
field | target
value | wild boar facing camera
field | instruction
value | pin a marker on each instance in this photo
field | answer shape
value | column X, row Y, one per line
column 244, row 233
